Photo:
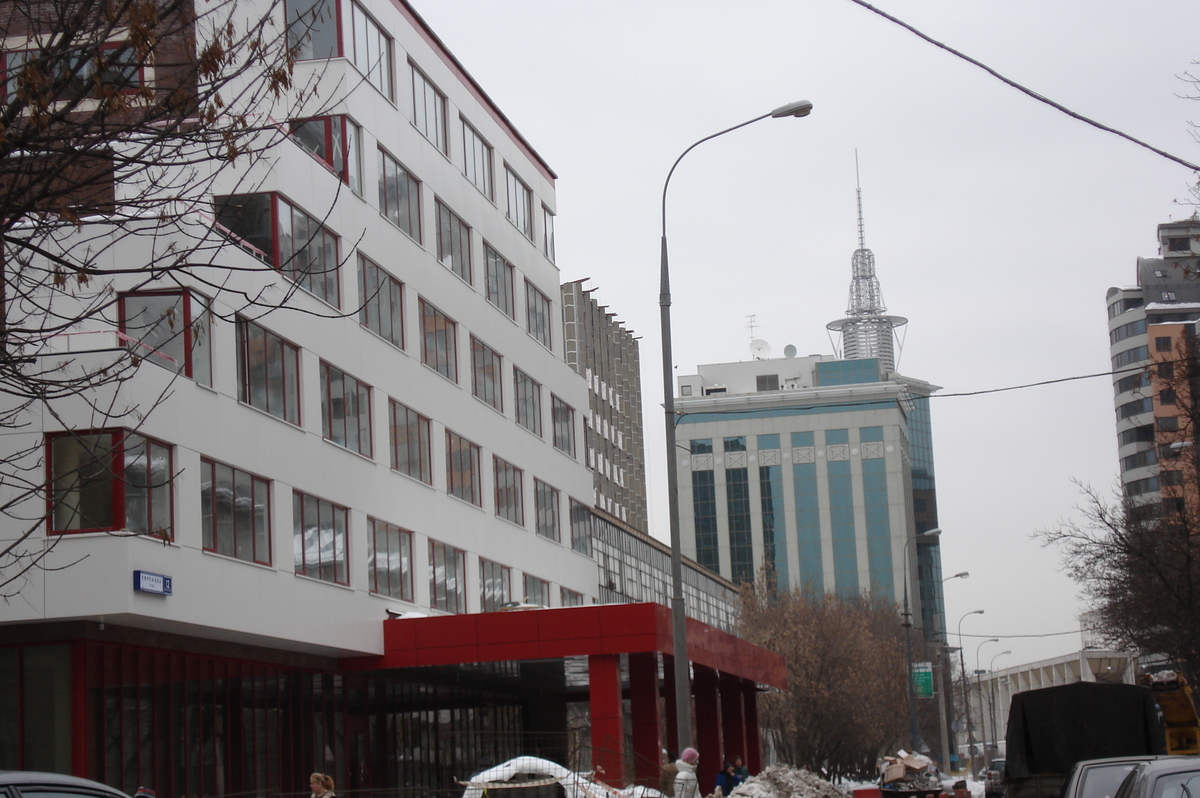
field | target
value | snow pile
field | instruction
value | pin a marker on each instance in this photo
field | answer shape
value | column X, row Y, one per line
column 783, row 781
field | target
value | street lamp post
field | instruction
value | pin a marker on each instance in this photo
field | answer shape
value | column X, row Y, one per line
column 914, row 732
column 962, row 661
column 979, row 689
column 944, row 674
column 992, row 699
column 683, row 716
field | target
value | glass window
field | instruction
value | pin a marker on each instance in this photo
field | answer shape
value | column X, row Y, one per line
column 372, row 50
column 537, row 314
column 382, row 302
column 548, row 233
column 563, row 416
column 72, row 74
column 110, row 480
column 345, row 410
column 439, row 341
column 1162, row 344
column 527, row 398
column 447, row 578
column 737, row 444
column 429, row 109
column 702, row 446
column 581, row 528
column 170, row 329
column 308, row 253
column 462, row 469
column 320, row 531
column 235, row 512
column 1166, row 396
column 485, row 374
column 454, row 243
column 477, row 160
column 500, row 279
column 1167, row 424
column 268, row 372
column 520, row 202
column 313, row 28
column 390, row 560
column 408, row 432
column 547, row 510
column 537, row 591
column 571, row 598
column 399, row 196
column 334, row 141
column 510, row 492
column 300, row 247
column 495, row 581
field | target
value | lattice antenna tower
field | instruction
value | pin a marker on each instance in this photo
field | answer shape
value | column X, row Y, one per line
column 866, row 331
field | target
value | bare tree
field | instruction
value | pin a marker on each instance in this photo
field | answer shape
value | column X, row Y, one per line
column 846, row 702
column 119, row 120
column 1139, row 562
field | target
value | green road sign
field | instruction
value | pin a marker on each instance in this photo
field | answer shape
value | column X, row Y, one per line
column 922, row 676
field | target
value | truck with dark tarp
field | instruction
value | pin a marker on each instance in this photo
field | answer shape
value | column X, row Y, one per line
column 1051, row 729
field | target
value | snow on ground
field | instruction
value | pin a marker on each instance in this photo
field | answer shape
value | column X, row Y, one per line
column 782, row 781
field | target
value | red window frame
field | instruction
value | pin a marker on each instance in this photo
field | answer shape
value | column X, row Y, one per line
column 423, row 443
column 209, row 468
column 529, row 580
column 441, row 356
column 351, row 388
column 316, row 570
column 513, row 511
column 463, row 478
column 291, row 410
column 504, row 574
column 315, row 237
column 548, row 517
column 337, row 24
column 190, row 344
column 115, row 469
column 329, row 140
column 403, row 590
column 383, row 292
column 443, row 600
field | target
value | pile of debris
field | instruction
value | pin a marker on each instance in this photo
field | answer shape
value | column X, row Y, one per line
column 907, row 772
column 783, row 781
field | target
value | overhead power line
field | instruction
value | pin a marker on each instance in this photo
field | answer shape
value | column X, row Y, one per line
column 1026, row 91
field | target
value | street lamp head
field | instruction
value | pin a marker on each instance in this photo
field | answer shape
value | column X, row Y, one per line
column 930, row 533
column 798, row 108
column 992, row 640
column 960, row 575
column 975, row 612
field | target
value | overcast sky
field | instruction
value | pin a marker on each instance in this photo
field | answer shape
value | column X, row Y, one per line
column 997, row 223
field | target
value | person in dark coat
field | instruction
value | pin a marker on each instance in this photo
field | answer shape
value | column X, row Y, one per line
column 727, row 779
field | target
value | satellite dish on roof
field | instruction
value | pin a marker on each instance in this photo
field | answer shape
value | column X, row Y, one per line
column 789, row 350
column 760, row 349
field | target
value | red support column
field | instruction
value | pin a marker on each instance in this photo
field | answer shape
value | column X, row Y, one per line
column 753, row 753
column 733, row 725
column 708, row 726
column 647, row 722
column 608, row 733
column 669, row 702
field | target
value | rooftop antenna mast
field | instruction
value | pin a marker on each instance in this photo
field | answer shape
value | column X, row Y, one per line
column 867, row 332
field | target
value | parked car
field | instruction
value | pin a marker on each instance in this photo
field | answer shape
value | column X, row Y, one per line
column 1101, row 778
column 1167, row 777
column 993, row 780
column 31, row 784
